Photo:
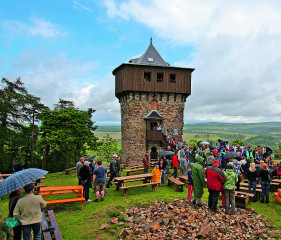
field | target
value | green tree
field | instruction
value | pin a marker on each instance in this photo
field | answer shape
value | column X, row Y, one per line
column 66, row 132
column 192, row 142
column 107, row 147
column 17, row 113
column 238, row 141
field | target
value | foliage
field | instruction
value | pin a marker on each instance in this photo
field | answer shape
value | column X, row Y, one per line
column 18, row 112
column 238, row 141
column 107, row 147
column 66, row 131
column 192, row 142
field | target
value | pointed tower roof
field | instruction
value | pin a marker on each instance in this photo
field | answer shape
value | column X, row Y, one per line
column 154, row 114
column 150, row 57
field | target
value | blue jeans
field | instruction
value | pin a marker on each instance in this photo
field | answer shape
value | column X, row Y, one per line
column 252, row 184
column 163, row 178
column 265, row 187
column 167, row 167
column 86, row 189
column 26, row 230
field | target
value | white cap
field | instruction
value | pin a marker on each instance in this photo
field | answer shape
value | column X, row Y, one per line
column 115, row 155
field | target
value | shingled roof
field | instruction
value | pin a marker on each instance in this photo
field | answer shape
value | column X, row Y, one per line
column 150, row 57
column 154, row 114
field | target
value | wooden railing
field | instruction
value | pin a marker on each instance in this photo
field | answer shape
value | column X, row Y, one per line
column 154, row 135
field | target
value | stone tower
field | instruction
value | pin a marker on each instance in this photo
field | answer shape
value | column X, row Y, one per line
column 150, row 92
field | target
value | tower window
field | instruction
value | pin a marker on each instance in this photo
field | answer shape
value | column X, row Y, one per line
column 147, row 76
column 159, row 77
column 172, row 78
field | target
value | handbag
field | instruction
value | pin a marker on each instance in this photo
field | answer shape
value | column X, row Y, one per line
column 11, row 222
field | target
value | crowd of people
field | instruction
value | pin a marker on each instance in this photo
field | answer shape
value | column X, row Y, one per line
column 203, row 164
column 207, row 163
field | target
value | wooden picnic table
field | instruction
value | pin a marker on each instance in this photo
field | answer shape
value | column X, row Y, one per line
column 129, row 171
column 78, row 190
column 136, row 166
column 121, row 180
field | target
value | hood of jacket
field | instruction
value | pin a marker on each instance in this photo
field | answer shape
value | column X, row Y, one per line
column 200, row 160
column 229, row 171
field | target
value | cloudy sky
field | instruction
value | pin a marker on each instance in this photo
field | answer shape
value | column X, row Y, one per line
column 68, row 49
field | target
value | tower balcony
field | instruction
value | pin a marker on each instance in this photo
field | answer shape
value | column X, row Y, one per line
column 154, row 135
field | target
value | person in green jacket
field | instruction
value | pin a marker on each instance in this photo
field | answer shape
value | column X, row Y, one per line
column 229, row 188
column 198, row 180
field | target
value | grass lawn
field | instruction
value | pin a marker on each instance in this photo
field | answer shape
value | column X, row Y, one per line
column 77, row 224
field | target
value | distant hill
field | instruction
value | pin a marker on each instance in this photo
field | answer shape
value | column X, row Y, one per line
column 254, row 133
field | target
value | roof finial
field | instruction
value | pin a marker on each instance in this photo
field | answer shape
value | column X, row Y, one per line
column 150, row 40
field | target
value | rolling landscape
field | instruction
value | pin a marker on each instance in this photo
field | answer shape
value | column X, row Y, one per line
column 255, row 133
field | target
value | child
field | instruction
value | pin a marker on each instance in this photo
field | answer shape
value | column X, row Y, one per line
column 157, row 173
column 162, row 167
column 190, row 183
column 229, row 188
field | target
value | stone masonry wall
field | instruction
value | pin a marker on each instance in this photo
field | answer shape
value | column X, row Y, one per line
column 134, row 107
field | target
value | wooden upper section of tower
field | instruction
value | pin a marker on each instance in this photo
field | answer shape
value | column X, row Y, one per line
column 150, row 73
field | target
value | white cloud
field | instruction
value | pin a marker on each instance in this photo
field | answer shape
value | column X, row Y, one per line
column 235, row 53
column 37, row 27
column 79, row 6
column 51, row 77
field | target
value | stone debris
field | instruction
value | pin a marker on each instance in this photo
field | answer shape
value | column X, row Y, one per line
column 181, row 219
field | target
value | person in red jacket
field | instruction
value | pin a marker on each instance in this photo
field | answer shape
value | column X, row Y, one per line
column 215, row 178
column 175, row 163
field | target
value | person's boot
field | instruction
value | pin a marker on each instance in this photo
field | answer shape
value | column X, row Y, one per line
column 262, row 200
column 267, row 200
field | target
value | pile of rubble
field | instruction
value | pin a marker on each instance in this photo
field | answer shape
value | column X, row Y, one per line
column 183, row 220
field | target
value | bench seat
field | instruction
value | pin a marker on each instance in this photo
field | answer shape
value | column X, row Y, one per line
column 47, row 235
column 179, row 185
column 244, row 193
column 183, row 178
column 67, row 171
column 82, row 200
column 125, row 188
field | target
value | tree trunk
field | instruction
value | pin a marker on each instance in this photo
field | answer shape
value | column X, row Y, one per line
column 45, row 156
column 32, row 139
column 67, row 160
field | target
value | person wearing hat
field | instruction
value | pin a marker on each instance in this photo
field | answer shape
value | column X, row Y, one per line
column 28, row 212
column 112, row 170
column 215, row 178
column 85, row 177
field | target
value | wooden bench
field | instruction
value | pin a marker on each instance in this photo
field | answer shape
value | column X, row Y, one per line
column 69, row 170
column 133, row 171
column 66, row 200
column 245, row 193
column 152, row 184
column 136, row 166
column 273, row 185
column 245, row 190
column 179, row 185
column 53, row 226
column 38, row 186
column 133, row 180
column 242, row 199
column 183, row 179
